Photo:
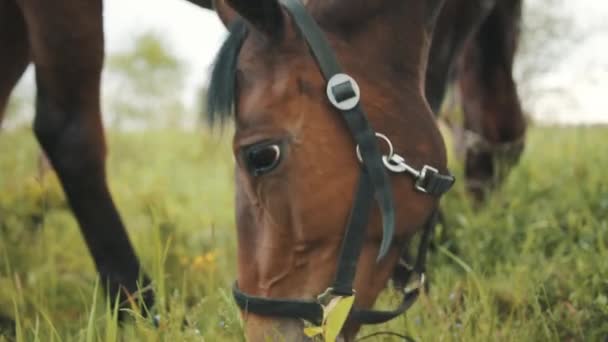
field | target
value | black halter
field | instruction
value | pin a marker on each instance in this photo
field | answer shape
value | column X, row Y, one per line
column 343, row 93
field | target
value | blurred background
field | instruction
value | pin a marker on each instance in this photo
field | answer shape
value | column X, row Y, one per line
column 159, row 54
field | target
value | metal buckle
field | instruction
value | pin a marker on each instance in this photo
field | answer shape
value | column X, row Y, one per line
column 417, row 285
column 328, row 295
column 421, row 179
column 348, row 88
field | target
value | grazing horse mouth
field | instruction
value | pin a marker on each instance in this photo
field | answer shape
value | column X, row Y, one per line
column 344, row 94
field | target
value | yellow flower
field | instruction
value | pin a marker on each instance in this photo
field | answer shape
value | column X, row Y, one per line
column 210, row 256
column 205, row 262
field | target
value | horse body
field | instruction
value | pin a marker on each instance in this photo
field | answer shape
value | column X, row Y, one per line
column 289, row 236
column 474, row 46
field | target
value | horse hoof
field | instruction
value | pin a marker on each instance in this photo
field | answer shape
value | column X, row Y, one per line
column 7, row 326
column 156, row 321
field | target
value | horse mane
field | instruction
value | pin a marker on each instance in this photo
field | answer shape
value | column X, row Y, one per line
column 222, row 86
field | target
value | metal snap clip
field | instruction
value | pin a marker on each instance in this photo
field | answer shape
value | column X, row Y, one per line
column 421, row 180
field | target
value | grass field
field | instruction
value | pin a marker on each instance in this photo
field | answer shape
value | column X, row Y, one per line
column 532, row 265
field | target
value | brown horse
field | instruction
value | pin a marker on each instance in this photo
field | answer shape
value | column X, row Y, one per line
column 299, row 179
column 475, row 44
column 296, row 171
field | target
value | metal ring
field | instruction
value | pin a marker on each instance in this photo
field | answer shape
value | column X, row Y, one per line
column 388, row 142
column 346, row 104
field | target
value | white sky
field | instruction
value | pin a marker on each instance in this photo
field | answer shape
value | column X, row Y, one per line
column 195, row 34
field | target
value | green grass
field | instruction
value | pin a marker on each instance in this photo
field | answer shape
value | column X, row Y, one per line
column 531, row 265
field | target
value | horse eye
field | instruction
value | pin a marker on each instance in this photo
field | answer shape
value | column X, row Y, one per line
column 261, row 159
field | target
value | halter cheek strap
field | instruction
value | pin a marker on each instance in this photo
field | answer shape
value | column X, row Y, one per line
column 344, row 93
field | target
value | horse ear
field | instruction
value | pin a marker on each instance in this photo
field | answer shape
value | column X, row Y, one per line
column 264, row 15
column 226, row 14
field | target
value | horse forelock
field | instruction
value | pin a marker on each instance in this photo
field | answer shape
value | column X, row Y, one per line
column 222, row 86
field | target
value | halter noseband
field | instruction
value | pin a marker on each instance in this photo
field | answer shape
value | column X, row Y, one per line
column 343, row 92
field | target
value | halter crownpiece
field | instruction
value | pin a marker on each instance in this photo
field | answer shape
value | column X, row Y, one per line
column 344, row 94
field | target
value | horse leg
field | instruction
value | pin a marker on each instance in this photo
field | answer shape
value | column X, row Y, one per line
column 13, row 38
column 493, row 116
column 66, row 38
column 14, row 44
